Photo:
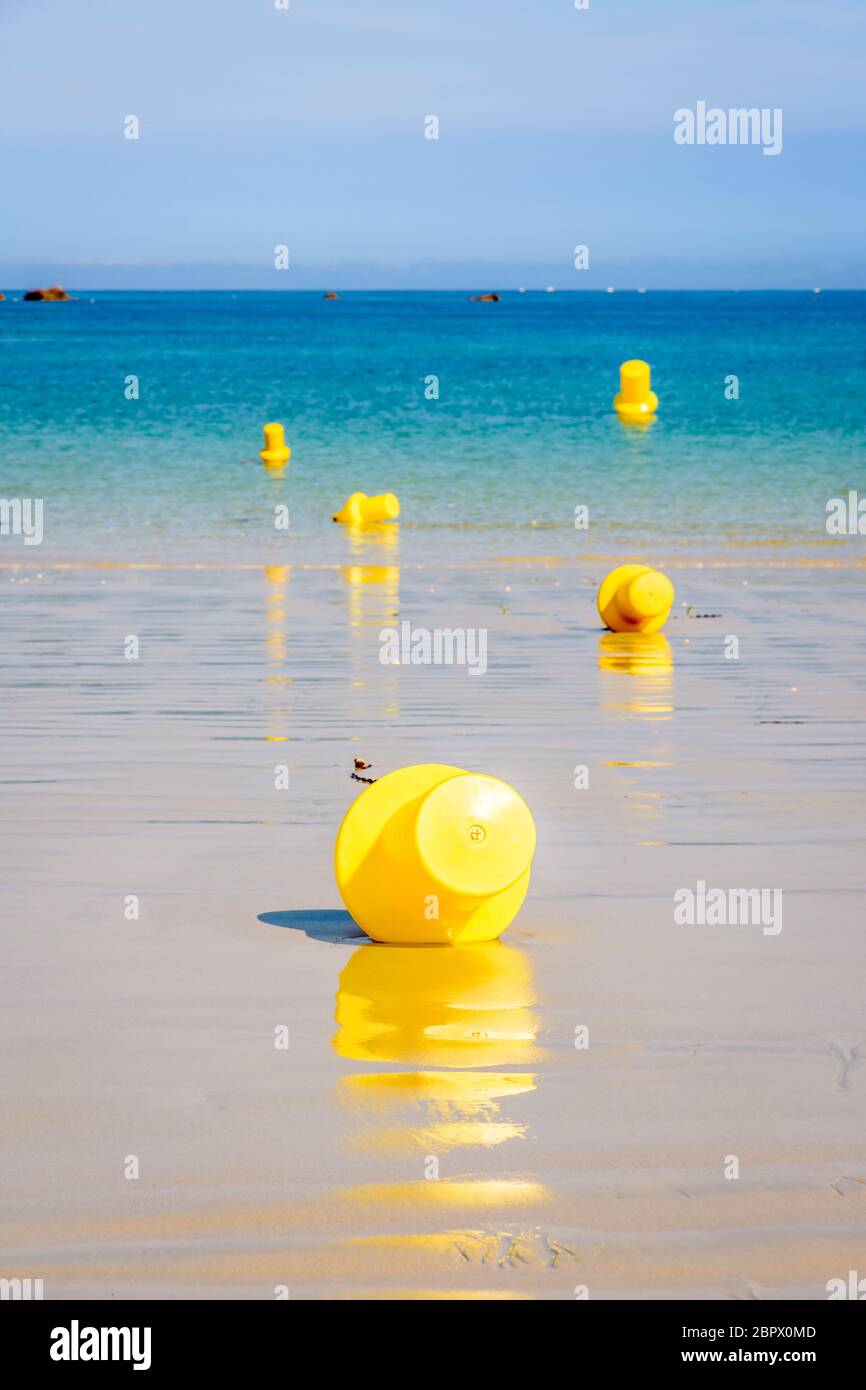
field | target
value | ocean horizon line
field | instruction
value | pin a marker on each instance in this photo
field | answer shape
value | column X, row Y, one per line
column 334, row 287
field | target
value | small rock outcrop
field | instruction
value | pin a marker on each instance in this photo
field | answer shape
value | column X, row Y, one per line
column 56, row 292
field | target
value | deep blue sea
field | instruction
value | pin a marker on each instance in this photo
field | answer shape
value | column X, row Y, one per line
column 522, row 431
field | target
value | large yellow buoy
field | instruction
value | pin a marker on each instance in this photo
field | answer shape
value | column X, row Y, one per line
column 635, row 402
column 434, row 854
column 635, row 598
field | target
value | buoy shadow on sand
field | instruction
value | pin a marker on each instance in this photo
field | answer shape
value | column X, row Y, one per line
column 319, row 924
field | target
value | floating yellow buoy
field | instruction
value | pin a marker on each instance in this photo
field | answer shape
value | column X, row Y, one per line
column 276, row 450
column 635, row 401
column 434, row 854
column 361, row 510
column 635, row 598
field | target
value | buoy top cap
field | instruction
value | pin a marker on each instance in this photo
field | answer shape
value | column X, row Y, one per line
column 475, row 834
column 634, row 381
column 647, row 595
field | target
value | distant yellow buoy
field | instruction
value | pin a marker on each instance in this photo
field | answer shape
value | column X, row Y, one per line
column 635, row 598
column 276, row 451
column 361, row 510
column 433, row 854
column 635, row 401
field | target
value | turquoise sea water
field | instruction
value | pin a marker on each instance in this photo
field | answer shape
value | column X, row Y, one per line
column 522, row 433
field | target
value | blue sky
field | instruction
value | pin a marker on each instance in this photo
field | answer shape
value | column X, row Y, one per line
column 306, row 127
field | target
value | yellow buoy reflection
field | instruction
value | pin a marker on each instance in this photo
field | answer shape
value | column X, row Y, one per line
column 374, row 603
column 371, row 609
column 514, row 1248
column 444, row 1006
column 451, row 1109
column 446, row 1012
column 478, row 1194
column 645, row 657
column 278, row 682
column 443, row 1093
column 363, row 539
column 441, row 1136
column 635, row 653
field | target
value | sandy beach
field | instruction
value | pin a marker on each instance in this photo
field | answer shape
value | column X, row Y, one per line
column 148, row 786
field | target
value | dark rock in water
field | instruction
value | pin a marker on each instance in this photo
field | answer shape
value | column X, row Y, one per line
column 484, row 298
column 55, row 293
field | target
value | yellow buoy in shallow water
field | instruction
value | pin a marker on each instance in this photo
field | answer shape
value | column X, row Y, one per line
column 276, row 451
column 635, row 598
column 361, row 510
column 433, row 854
column 634, row 401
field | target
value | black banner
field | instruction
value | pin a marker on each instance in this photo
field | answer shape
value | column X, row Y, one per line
column 155, row 1338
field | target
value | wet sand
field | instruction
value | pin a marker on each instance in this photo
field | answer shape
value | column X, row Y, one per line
column 308, row 1168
